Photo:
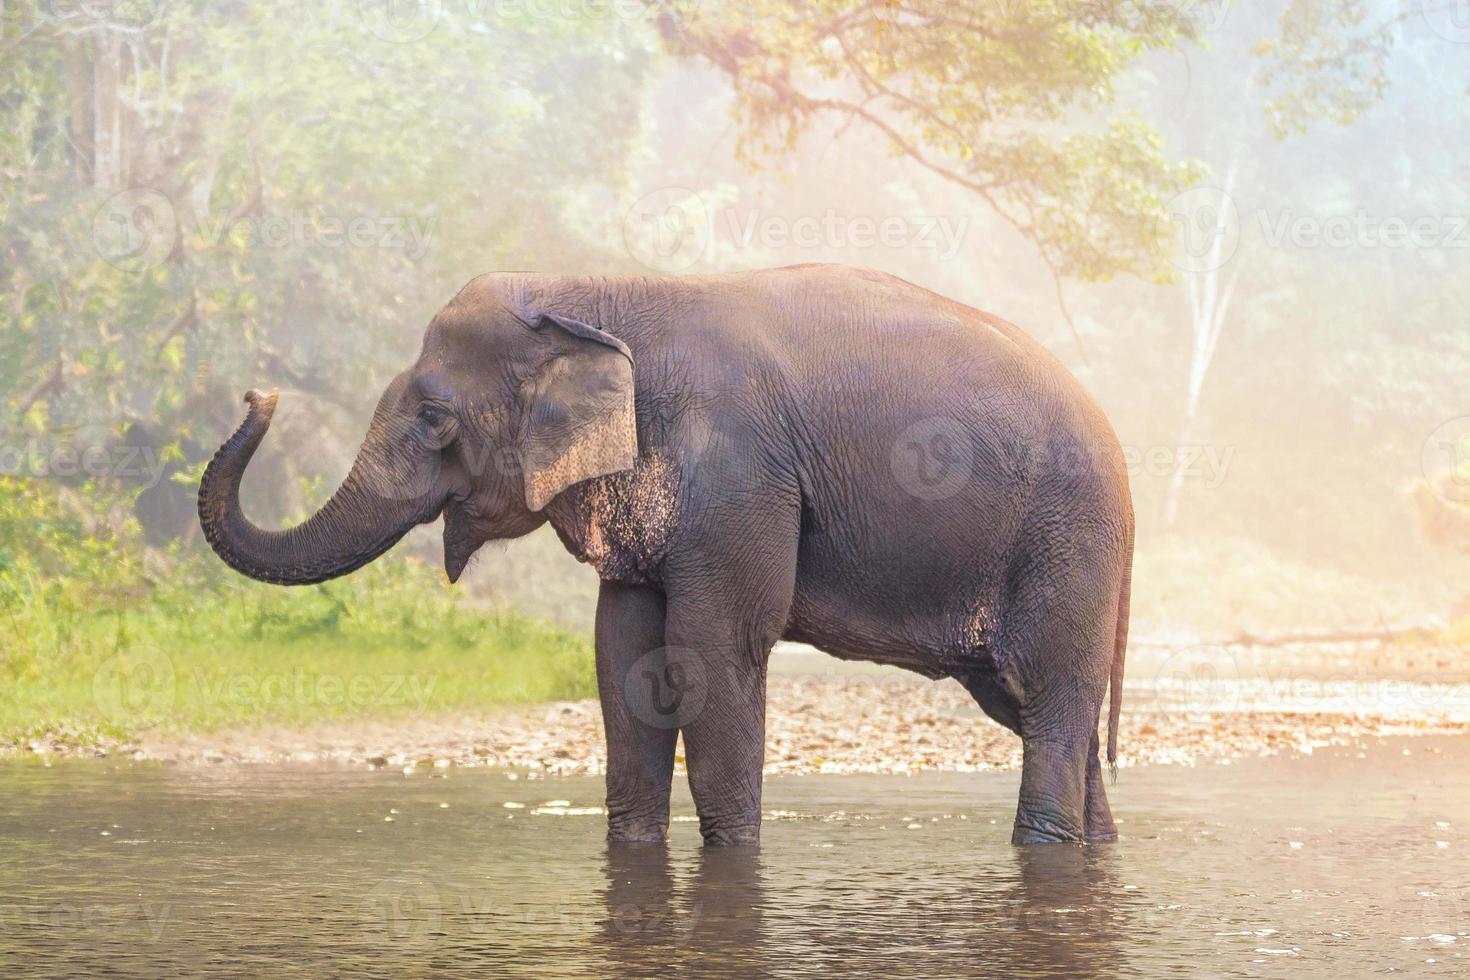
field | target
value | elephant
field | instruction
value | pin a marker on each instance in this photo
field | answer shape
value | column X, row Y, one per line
column 820, row 453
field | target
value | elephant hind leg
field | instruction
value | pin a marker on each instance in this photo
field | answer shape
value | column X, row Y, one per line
column 1099, row 816
column 1053, row 773
column 1058, row 639
column 998, row 703
column 1053, row 803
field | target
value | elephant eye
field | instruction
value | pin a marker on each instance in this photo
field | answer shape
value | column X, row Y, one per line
column 432, row 415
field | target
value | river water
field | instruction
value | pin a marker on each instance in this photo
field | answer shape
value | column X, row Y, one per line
column 1350, row 862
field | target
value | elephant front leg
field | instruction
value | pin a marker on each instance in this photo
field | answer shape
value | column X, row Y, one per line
column 640, row 740
column 723, row 715
column 729, row 599
column 725, row 751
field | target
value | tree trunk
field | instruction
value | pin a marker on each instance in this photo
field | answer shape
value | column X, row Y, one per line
column 79, row 99
column 1208, row 301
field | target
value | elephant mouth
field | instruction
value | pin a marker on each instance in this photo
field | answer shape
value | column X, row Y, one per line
column 460, row 540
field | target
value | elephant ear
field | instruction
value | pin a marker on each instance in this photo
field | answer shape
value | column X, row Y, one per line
column 579, row 421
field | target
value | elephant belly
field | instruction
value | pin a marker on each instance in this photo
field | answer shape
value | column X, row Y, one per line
column 953, row 639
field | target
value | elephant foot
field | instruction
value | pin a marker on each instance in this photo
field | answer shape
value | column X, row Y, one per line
column 638, row 833
column 1030, row 832
column 636, row 839
column 732, row 836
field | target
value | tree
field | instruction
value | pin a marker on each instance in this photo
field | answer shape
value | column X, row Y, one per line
column 1022, row 105
column 1016, row 102
column 196, row 196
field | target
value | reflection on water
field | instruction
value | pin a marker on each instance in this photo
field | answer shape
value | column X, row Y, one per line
column 1051, row 912
column 1328, row 866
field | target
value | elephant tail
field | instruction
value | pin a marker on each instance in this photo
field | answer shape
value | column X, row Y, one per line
column 1120, row 650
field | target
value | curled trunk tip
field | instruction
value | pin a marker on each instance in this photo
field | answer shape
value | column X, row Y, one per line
column 261, row 403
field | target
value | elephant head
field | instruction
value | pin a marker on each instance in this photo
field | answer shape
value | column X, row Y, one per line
column 506, row 407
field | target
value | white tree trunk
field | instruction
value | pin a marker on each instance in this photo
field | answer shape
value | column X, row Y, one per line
column 1209, row 301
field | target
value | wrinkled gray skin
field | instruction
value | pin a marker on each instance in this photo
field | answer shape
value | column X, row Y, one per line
column 819, row 453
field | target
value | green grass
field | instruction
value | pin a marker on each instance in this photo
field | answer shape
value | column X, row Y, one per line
column 106, row 641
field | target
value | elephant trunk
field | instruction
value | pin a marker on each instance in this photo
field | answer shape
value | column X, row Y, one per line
column 357, row 525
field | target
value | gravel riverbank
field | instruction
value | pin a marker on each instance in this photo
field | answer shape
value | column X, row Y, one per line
column 1182, row 705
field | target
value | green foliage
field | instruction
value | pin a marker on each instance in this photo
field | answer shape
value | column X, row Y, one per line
column 1012, row 101
column 55, row 567
column 196, row 197
column 101, row 647
column 1328, row 62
